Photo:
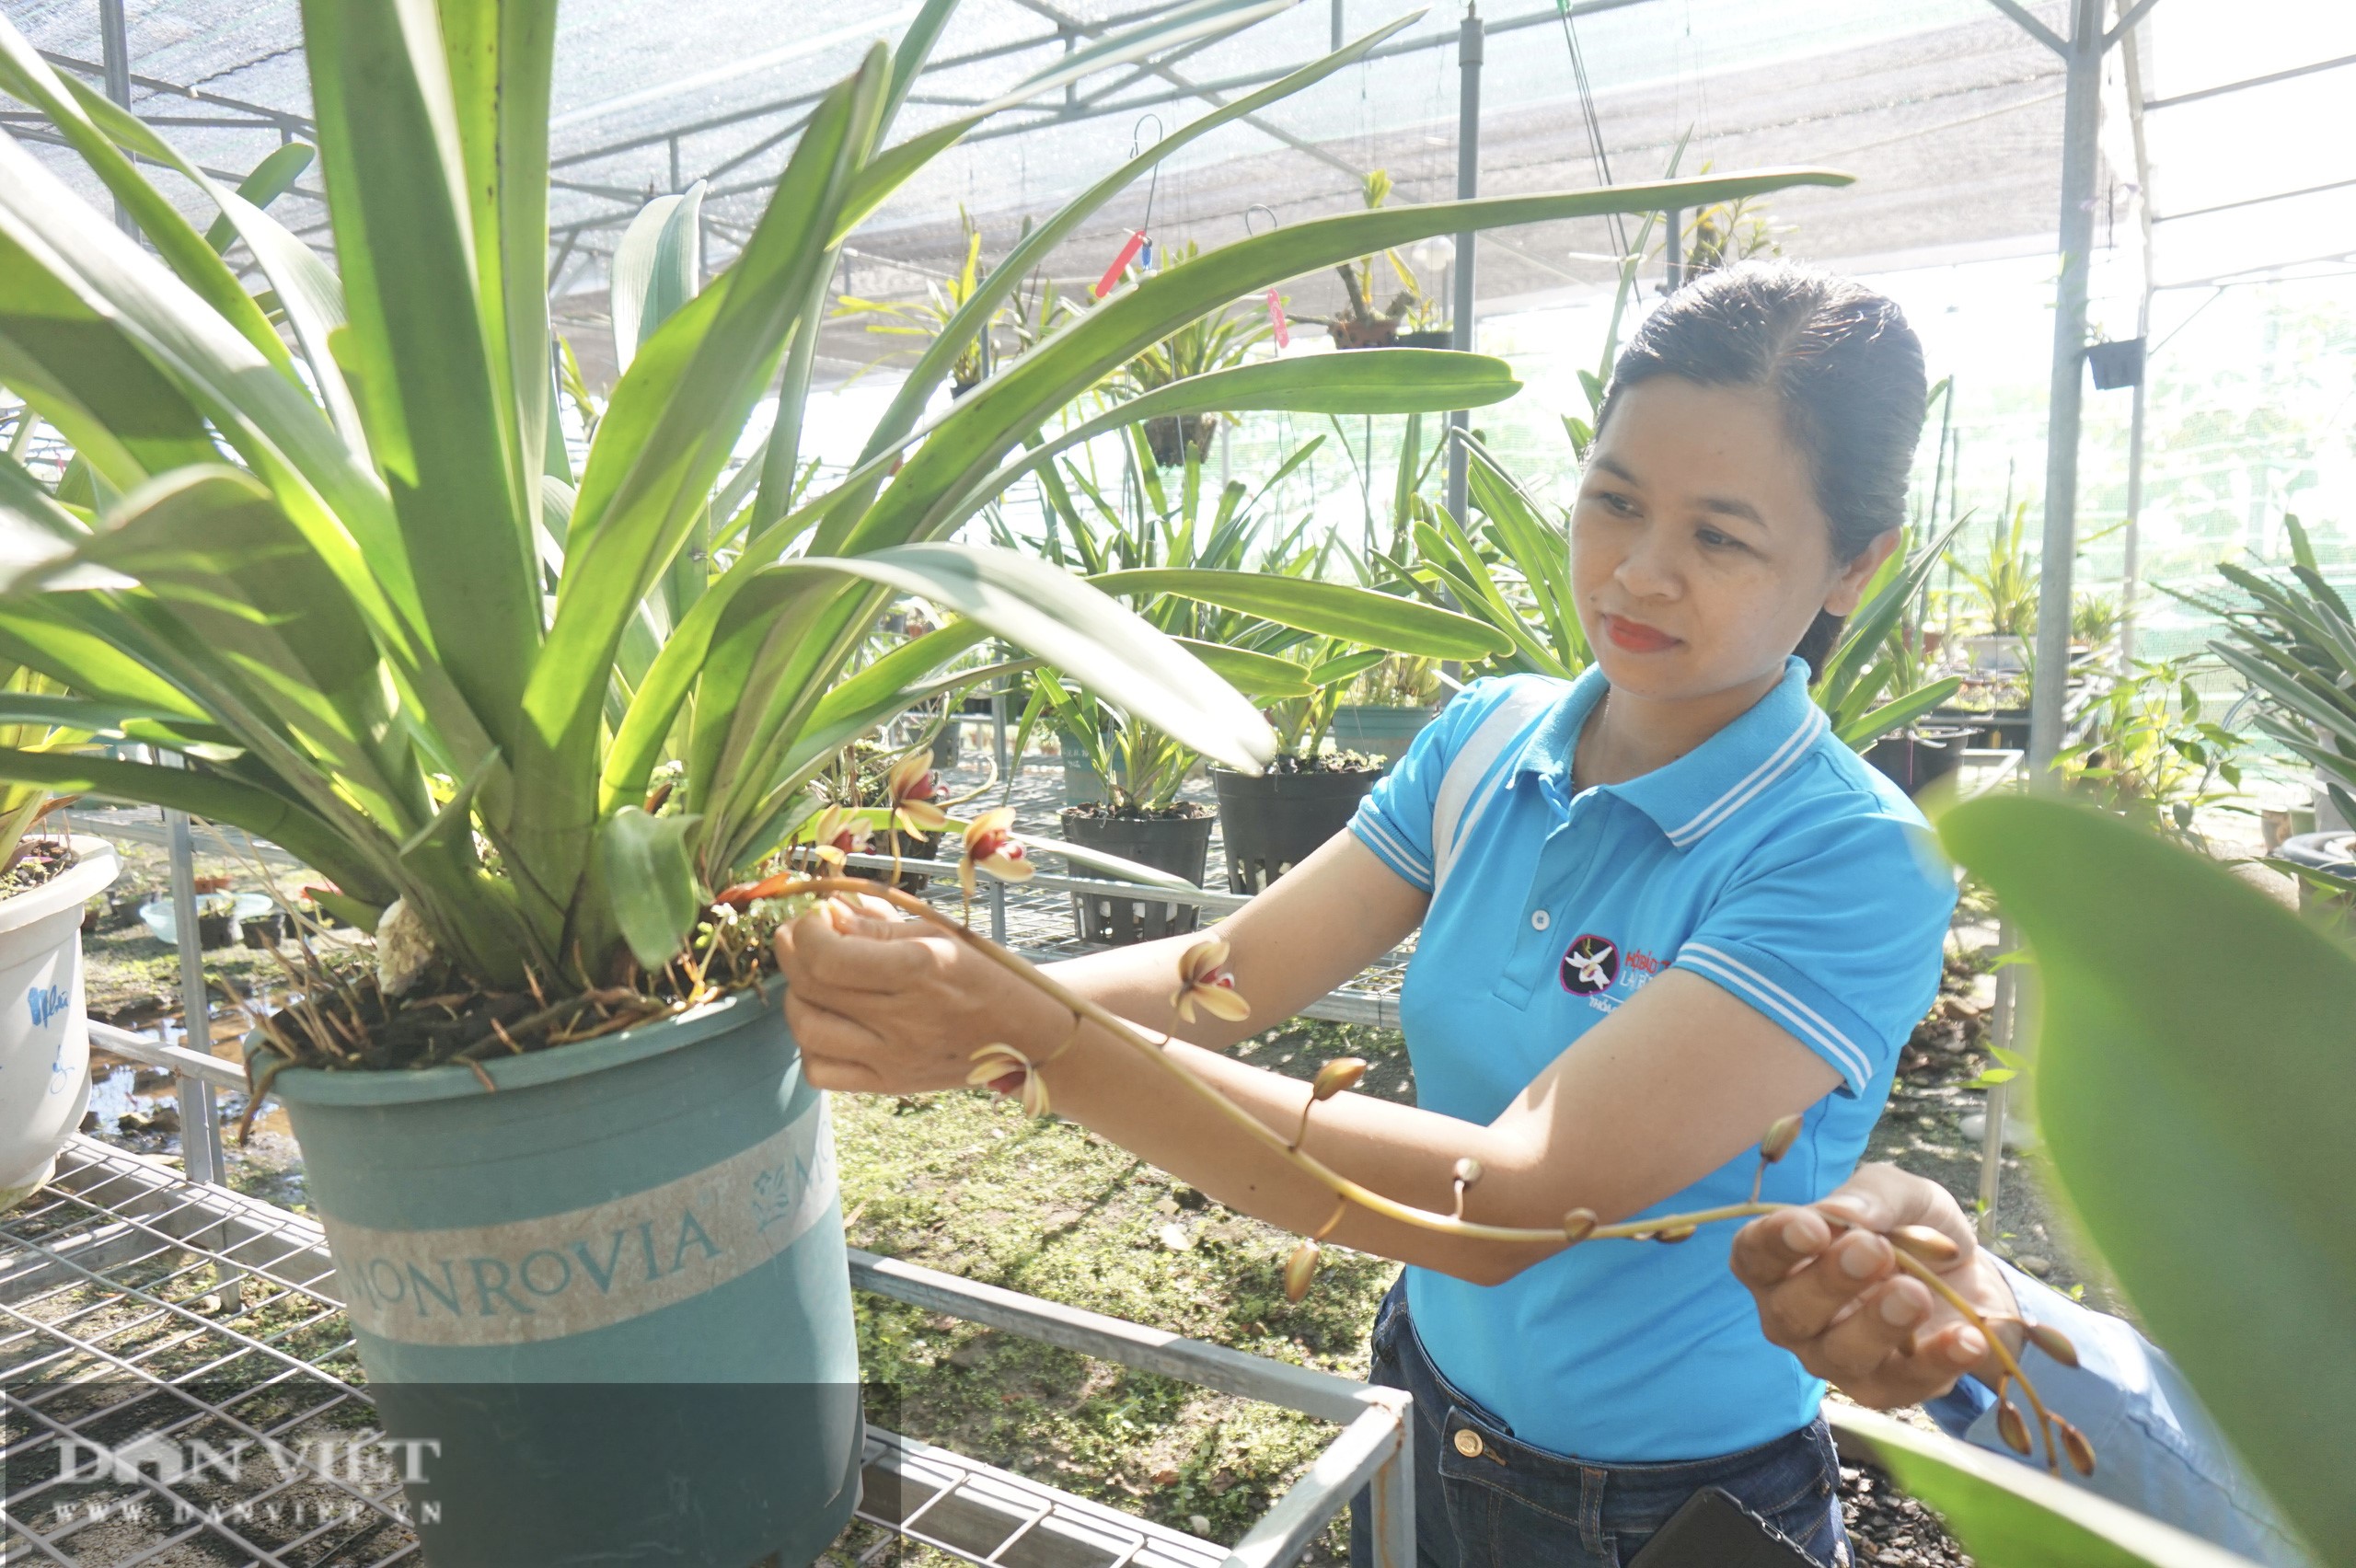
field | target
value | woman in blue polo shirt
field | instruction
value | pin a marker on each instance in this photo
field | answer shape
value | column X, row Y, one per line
column 1660, row 907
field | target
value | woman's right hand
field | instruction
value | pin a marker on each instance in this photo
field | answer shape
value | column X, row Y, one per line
column 1833, row 1293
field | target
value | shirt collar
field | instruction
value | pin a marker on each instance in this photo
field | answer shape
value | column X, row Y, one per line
column 1708, row 786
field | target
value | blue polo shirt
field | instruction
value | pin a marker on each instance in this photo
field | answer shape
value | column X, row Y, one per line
column 1772, row 861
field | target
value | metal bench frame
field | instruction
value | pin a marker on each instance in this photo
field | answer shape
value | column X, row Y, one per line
column 1035, row 1524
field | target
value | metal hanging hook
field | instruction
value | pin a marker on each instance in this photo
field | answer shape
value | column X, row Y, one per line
column 1138, row 144
column 1274, row 222
column 1140, row 247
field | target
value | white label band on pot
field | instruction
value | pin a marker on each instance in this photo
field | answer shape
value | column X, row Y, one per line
column 568, row 1273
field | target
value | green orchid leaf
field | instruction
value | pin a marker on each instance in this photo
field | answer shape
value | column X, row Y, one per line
column 646, row 865
column 1374, row 381
column 269, row 180
column 1859, row 733
column 502, row 58
column 1330, row 609
column 427, row 346
column 1255, row 674
column 1079, row 630
column 2005, row 1511
column 669, row 432
column 259, row 811
column 25, row 76
column 658, row 267
column 2193, row 1085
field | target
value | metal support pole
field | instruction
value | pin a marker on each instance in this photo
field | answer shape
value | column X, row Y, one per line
column 2001, row 1034
column 114, row 44
column 2081, row 121
column 1674, row 274
column 1006, row 772
column 1392, row 1491
column 2082, row 55
column 2132, row 542
column 200, row 1121
column 1337, row 24
column 1469, row 45
column 2131, row 61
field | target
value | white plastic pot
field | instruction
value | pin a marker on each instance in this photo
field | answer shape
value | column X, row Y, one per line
column 44, row 1035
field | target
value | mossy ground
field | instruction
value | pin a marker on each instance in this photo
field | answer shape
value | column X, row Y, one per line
column 967, row 1185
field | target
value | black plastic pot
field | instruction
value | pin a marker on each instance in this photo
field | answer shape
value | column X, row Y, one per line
column 1439, row 339
column 2329, row 856
column 1916, row 758
column 1181, row 845
column 913, row 847
column 1272, row 823
column 948, row 745
column 2115, row 364
column 2005, row 729
column 267, row 931
column 1378, row 731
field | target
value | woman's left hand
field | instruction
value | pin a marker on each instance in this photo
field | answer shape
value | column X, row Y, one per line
column 887, row 1006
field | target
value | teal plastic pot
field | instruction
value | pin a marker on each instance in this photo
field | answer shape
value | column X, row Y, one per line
column 606, row 1307
column 1379, row 732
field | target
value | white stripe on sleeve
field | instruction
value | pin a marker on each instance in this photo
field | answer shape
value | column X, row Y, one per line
column 1805, row 1020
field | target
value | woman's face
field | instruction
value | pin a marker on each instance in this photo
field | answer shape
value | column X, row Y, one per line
column 1699, row 555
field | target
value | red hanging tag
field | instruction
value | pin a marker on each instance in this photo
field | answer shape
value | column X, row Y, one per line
column 1111, row 277
column 1277, row 321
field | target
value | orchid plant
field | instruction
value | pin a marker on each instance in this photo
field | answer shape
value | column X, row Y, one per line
column 443, row 669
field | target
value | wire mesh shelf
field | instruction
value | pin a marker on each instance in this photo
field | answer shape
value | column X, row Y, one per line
column 178, row 1385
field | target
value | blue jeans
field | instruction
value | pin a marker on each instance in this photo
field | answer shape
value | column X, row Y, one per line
column 1509, row 1505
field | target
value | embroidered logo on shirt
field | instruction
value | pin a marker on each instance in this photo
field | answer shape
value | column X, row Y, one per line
column 1591, row 965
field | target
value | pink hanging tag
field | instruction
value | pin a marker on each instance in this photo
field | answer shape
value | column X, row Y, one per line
column 1111, row 277
column 1277, row 321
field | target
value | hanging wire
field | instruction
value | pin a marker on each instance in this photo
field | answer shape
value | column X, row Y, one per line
column 1138, row 144
column 1586, row 113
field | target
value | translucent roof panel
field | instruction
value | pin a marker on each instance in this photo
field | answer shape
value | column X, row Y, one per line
column 2243, row 126
column 1946, row 112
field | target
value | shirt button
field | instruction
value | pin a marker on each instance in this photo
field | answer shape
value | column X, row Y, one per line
column 1468, row 1442
column 1538, row 921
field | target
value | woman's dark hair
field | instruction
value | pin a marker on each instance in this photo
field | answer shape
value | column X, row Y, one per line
column 1843, row 366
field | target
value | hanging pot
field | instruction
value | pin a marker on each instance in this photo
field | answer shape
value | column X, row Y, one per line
column 2115, row 364
column 613, row 1292
column 1380, row 332
column 1273, row 822
column 1174, row 437
column 1180, row 845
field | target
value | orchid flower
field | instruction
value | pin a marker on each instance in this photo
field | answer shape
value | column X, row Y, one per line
column 1201, row 982
column 990, row 845
column 912, row 793
column 993, row 1064
column 837, row 835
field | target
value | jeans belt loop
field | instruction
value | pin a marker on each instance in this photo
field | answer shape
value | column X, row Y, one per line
column 1591, row 1481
